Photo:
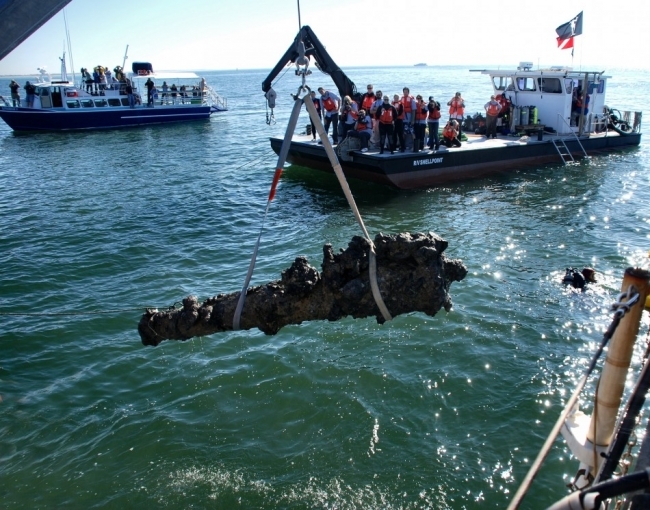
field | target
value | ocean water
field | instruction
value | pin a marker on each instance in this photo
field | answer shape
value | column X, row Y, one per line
column 443, row 412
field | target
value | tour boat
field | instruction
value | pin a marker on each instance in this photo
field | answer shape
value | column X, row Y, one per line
column 542, row 126
column 62, row 105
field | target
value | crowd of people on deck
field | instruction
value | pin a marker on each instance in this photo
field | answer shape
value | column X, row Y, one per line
column 102, row 80
column 391, row 123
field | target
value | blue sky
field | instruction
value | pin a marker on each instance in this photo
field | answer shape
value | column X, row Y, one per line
column 243, row 34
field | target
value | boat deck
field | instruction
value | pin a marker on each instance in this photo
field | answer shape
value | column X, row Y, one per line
column 476, row 157
column 473, row 142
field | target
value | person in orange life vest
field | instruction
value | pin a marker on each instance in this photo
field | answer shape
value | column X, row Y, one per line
column 457, row 110
column 368, row 98
column 348, row 115
column 409, row 108
column 408, row 101
column 420, row 125
column 399, row 123
column 316, row 102
column 576, row 108
column 386, row 115
column 505, row 104
column 433, row 121
column 330, row 106
column 450, row 134
column 362, row 129
column 492, row 109
column 504, row 114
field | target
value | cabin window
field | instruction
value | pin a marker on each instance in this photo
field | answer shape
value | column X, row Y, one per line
column 114, row 101
column 125, row 101
column 526, row 84
column 72, row 104
column 100, row 103
column 87, row 103
column 43, row 92
column 500, row 82
column 550, row 85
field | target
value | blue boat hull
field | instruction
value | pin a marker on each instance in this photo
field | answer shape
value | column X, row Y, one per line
column 27, row 119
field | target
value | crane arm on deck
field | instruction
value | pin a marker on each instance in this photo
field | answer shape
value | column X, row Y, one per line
column 313, row 48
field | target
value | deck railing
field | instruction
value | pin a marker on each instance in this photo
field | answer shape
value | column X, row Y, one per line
column 220, row 102
column 207, row 96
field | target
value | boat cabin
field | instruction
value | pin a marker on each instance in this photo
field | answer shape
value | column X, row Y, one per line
column 553, row 98
column 184, row 88
column 64, row 94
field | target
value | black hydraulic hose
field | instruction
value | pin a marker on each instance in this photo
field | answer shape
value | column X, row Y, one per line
column 592, row 498
column 628, row 483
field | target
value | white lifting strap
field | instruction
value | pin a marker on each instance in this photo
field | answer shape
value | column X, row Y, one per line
column 372, row 270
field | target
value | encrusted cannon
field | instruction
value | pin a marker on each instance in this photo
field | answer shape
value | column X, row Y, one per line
column 412, row 272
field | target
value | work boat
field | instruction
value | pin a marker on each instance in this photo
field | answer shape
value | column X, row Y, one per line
column 539, row 124
column 62, row 105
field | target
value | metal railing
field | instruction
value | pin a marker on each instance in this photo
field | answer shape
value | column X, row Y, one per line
column 221, row 103
column 572, row 132
column 191, row 95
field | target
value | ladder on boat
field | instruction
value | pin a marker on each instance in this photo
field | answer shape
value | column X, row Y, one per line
column 217, row 101
column 561, row 146
column 563, row 150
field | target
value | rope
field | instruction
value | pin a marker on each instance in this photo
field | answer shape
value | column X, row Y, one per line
column 253, row 161
column 621, row 309
column 94, row 312
column 288, row 66
column 299, row 23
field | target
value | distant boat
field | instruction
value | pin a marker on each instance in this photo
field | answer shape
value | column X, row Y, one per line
column 61, row 105
column 420, row 64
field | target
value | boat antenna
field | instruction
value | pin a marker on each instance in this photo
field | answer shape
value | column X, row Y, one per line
column 299, row 23
column 125, row 57
column 64, row 72
column 67, row 34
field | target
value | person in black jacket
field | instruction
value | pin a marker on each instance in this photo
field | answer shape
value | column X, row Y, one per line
column 149, row 84
column 30, row 90
column 399, row 123
column 433, row 121
column 15, row 94
column 316, row 102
